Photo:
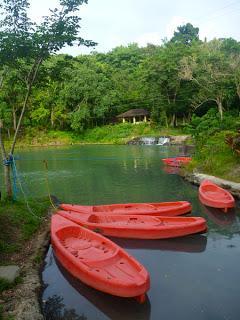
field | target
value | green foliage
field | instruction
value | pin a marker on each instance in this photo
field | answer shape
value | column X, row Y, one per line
column 5, row 285
column 171, row 80
column 18, row 224
column 186, row 34
column 40, row 115
column 210, row 123
column 214, row 157
column 121, row 133
column 110, row 134
column 80, row 118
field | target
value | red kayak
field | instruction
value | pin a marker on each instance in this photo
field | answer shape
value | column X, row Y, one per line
column 177, row 161
column 138, row 226
column 153, row 209
column 97, row 261
column 213, row 196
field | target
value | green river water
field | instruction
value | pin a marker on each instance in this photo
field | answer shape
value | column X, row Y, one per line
column 194, row 277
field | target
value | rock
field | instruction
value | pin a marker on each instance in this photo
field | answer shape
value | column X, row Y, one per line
column 9, row 273
column 174, row 140
column 232, row 187
column 179, row 140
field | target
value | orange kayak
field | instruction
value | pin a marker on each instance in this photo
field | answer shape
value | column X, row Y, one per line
column 153, row 209
column 177, row 161
column 138, row 226
column 213, row 196
column 97, row 261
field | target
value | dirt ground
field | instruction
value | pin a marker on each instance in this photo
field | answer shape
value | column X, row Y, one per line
column 22, row 302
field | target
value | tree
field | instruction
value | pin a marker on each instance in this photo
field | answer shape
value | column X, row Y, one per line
column 209, row 69
column 162, row 84
column 186, row 34
column 24, row 46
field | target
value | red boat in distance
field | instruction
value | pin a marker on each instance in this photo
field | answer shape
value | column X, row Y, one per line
column 177, row 161
column 214, row 196
column 168, row 209
column 137, row 226
column 97, row 261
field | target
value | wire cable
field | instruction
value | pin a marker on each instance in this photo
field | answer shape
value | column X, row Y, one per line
column 47, row 183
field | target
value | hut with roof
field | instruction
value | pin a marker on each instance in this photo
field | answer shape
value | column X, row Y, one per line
column 134, row 116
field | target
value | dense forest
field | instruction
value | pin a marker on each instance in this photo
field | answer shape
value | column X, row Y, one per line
column 176, row 81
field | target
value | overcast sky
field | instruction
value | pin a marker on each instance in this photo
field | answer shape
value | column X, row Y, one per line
column 112, row 23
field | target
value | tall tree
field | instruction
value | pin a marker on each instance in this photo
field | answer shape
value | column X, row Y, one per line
column 209, row 69
column 185, row 34
column 25, row 45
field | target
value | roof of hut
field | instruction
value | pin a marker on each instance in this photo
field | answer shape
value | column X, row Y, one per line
column 133, row 113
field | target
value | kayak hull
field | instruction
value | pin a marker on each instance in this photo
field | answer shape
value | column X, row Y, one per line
column 137, row 226
column 177, row 161
column 214, row 196
column 154, row 209
column 97, row 261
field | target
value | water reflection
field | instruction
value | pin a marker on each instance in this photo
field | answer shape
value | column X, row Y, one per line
column 54, row 309
column 219, row 217
column 113, row 307
column 194, row 243
column 171, row 170
column 191, row 277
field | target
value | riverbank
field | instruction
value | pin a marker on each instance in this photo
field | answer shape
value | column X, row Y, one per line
column 197, row 178
column 109, row 134
column 214, row 157
column 23, row 241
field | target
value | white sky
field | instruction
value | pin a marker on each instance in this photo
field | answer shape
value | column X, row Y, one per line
column 112, row 23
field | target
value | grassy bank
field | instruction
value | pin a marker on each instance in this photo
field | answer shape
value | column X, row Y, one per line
column 18, row 228
column 18, row 225
column 213, row 156
column 110, row 134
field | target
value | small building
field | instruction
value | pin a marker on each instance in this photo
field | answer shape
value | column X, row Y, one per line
column 134, row 116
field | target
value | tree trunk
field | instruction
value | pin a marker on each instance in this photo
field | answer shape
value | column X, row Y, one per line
column 6, row 166
column 7, row 181
column 31, row 78
column 238, row 91
column 20, row 120
column 14, row 119
column 164, row 115
column 52, row 118
column 173, row 122
column 220, row 107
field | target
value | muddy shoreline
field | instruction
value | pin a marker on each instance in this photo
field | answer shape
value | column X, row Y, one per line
column 23, row 301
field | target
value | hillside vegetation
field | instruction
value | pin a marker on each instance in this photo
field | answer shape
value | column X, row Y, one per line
column 173, row 81
column 108, row 134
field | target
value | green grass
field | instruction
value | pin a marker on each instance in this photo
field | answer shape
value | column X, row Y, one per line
column 122, row 133
column 216, row 158
column 5, row 285
column 18, row 224
column 1, row 312
column 109, row 134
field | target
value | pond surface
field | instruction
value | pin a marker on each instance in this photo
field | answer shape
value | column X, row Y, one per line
column 195, row 277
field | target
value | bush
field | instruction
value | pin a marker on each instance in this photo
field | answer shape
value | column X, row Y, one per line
column 211, row 123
